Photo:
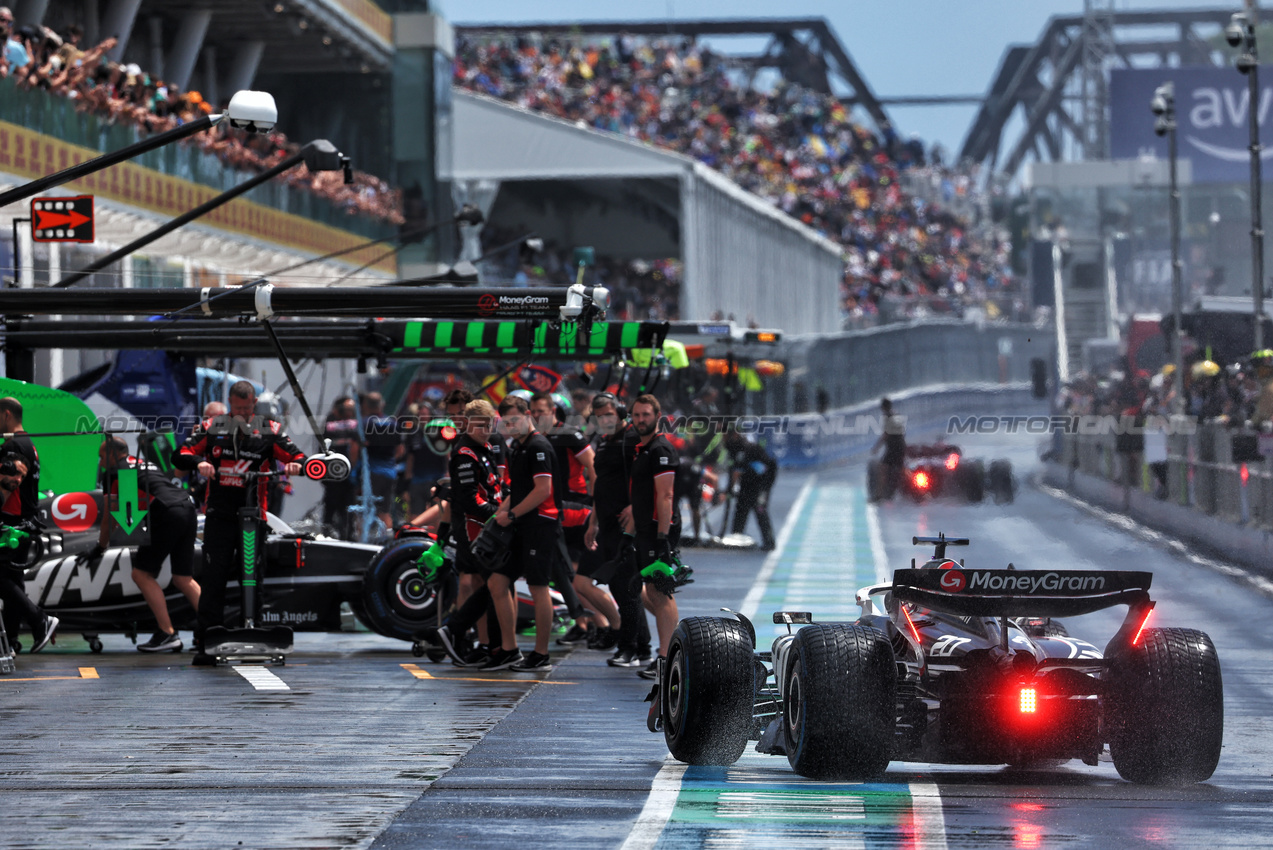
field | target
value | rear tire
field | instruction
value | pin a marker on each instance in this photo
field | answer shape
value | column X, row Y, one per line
column 1164, row 708
column 1002, row 484
column 396, row 602
column 709, row 685
column 971, row 476
column 875, row 483
column 840, row 702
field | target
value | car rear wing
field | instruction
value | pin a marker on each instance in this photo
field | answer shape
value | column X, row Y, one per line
column 1021, row 593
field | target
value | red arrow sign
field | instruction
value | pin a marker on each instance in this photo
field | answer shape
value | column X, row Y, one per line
column 71, row 219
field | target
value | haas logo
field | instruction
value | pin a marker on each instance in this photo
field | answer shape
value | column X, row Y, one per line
column 74, row 512
column 487, row 305
column 953, row 581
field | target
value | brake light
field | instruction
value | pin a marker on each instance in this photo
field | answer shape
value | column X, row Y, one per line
column 1029, row 701
column 1141, row 629
column 921, row 480
column 952, row 461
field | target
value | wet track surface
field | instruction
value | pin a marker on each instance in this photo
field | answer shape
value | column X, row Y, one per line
column 361, row 751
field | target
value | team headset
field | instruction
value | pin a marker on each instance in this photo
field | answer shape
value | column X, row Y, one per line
column 619, row 407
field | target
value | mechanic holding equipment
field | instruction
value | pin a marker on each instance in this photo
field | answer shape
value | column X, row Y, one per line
column 476, row 489
column 753, row 471
column 383, row 449
column 893, row 440
column 653, row 522
column 173, row 527
column 614, row 444
column 532, row 511
column 341, row 428
column 223, row 449
column 19, row 507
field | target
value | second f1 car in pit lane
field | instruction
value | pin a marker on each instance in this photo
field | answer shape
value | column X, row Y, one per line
column 940, row 469
column 955, row 665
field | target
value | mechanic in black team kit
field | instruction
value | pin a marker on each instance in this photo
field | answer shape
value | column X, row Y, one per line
column 753, row 472
column 223, row 449
column 19, row 507
column 614, row 443
column 532, row 511
column 652, row 519
column 173, row 527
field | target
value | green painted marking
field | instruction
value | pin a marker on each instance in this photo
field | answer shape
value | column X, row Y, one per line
column 505, row 335
column 411, row 336
column 249, row 558
column 597, row 339
column 129, row 515
column 568, row 338
column 442, row 334
column 473, row 335
column 539, row 338
column 630, row 335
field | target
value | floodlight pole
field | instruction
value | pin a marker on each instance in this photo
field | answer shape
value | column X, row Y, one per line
column 1165, row 99
column 1240, row 33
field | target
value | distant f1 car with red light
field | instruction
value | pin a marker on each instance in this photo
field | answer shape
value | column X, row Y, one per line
column 954, row 665
column 940, row 469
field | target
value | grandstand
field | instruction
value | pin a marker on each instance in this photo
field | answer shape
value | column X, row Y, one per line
column 912, row 242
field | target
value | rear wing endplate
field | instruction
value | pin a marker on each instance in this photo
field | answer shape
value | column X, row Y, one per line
column 1021, row 593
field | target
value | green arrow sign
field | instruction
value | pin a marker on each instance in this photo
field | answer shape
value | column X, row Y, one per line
column 130, row 514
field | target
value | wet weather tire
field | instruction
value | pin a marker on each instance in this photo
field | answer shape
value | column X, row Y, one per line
column 709, row 684
column 1002, row 485
column 1165, row 708
column 396, row 602
column 971, row 477
column 877, row 483
column 840, row 702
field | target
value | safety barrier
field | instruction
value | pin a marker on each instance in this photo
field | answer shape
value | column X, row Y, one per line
column 1211, row 468
column 854, row 367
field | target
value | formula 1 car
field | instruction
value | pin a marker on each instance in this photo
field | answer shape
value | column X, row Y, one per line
column 940, row 469
column 953, row 665
column 305, row 582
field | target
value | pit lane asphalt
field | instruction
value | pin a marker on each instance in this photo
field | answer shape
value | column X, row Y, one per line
column 360, row 752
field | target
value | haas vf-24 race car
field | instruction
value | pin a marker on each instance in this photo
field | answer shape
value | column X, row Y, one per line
column 952, row 665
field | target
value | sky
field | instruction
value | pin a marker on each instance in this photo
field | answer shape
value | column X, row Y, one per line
column 901, row 47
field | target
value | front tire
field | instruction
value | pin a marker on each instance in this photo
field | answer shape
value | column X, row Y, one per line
column 840, row 702
column 1002, row 484
column 396, row 602
column 1165, row 708
column 709, row 683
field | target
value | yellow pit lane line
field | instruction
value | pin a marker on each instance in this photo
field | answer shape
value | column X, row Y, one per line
column 85, row 673
column 415, row 670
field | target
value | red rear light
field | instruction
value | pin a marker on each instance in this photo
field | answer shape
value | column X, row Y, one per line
column 1029, row 701
column 1136, row 638
column 921, row 480
column 952, row 461
column 1244, row 474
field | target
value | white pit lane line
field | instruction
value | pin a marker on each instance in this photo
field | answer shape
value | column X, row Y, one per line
column 260, row 678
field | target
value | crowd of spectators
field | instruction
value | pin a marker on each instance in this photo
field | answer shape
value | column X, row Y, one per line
column 39, row 58
column 794, row 147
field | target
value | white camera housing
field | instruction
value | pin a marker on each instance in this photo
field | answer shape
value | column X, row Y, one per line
column 253, row 111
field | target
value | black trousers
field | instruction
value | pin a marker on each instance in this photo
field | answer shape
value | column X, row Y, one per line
column 753, row 496
column 18, row 607
column 466, row 616
column 625, row 587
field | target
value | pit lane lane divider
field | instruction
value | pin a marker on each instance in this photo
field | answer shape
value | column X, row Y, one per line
column 260, row 678
column 85, row 673
column 415, row 670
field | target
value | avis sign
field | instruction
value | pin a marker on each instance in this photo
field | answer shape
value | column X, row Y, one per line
column 62, row 219
column 1212, row 110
